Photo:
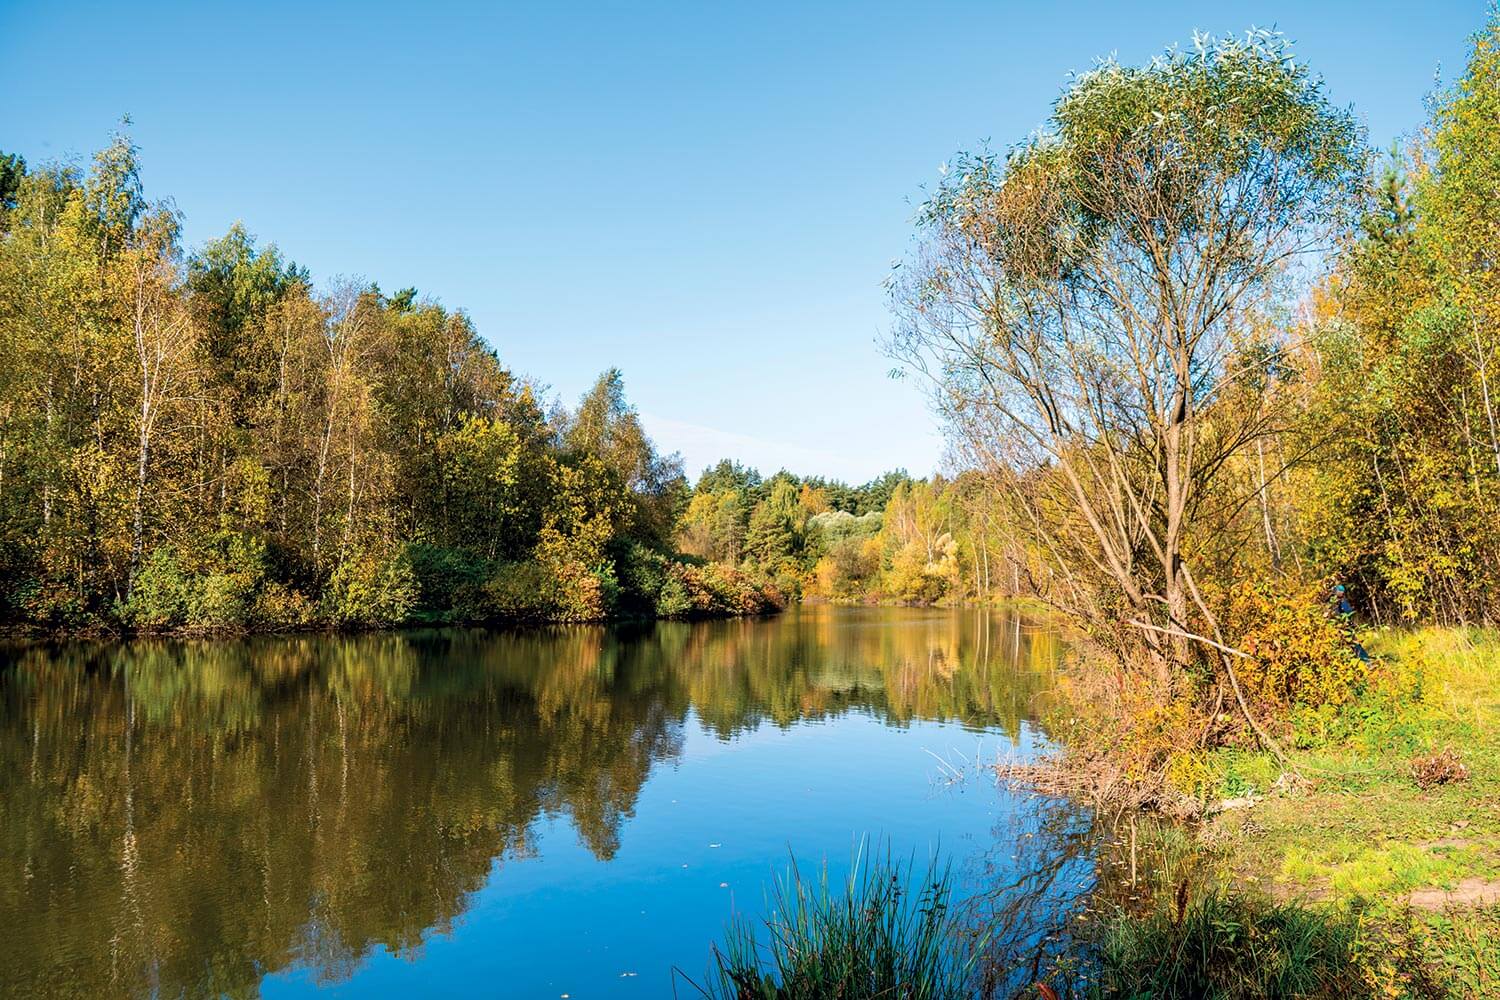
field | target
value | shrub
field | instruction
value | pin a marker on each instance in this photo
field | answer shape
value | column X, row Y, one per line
column 675, row 599
column 848, row 569
column 222, row 601
column 913, row 579
column 372, row 585
column 713, row 590
column 50, row 603
column 159, row 593
column 579, row 593
column 223, row 595
column 280, row 606
column 213, row 588
column 1302, row 655
column 517, row 591
column 448, row 580
column 642, row 572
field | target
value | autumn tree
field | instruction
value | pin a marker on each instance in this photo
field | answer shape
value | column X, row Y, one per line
column 777, row 525
column 210, row 441
column 1402, row 374
column 1080, row 306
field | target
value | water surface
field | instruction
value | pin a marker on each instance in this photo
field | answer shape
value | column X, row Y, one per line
column 563, row 811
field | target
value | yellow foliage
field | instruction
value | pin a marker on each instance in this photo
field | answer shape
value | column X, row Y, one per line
column 1302, row 655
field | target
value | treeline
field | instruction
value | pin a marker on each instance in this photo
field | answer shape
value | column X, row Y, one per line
column 894, row 540
column 204, row 441
column 1395, row 394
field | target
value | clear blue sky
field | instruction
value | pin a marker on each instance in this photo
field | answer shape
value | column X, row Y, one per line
column 705, row 194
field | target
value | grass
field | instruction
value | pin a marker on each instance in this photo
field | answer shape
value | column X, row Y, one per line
column 1354, row 870
column 1359, row 831
column 1173, row 932
column 1361, row 825
column 1231, row 946
column 1320, row 877
column 883, row 933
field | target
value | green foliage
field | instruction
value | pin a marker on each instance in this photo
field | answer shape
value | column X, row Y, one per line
column 607, row 428
column 12, row 170
column 834, row 526
column 1358, row 828
column 777, row 527
column 519, row 592
column 214, row 590
column 913, row 542
column 489, row 486
column 282, row 607
column 449, row 581
column 887, row 932
column 1231, row 946
column 201, row 442
column 728, row 476
column 373, row 585
column 161, row 593
column 1403, row 504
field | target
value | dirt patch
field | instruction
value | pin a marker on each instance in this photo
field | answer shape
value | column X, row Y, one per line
column 1469, row 892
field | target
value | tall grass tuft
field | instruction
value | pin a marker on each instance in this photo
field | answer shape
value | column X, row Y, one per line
column 1230, row 946
column 882, row 934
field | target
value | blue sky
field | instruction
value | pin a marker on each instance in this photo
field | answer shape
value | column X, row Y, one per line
column 707, row 195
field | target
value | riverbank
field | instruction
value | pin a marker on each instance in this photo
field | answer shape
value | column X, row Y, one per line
column 1399, row 813
column 416, row 593
column 1379, row 835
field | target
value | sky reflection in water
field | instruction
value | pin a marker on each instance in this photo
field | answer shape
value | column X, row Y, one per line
column 523, row 814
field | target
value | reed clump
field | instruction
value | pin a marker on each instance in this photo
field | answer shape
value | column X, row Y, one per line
column 888, row 930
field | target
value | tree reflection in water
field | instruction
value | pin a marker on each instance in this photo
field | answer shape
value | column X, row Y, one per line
column 188, row 816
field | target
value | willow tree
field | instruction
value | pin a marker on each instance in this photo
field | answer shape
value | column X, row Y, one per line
column 1082, row 306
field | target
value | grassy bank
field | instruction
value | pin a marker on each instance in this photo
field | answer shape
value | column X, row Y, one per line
column 1394, row 812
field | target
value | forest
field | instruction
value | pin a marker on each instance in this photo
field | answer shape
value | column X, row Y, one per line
column 203, row 440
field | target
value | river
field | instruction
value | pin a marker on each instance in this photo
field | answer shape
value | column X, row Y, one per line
column 569, row 811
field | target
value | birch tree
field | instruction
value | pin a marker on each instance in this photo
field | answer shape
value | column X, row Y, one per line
column 162, row 338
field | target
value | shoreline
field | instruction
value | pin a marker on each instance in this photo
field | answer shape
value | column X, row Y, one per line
column 1351, row 828
column 105, row 634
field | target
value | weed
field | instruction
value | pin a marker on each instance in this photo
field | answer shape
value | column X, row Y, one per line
column 1441, row 767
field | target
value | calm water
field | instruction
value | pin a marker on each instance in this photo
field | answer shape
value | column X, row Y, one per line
column 570, row 811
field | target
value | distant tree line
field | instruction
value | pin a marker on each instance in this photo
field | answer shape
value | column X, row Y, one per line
column 895, row 539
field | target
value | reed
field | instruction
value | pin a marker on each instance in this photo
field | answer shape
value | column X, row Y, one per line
column 885, row 932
